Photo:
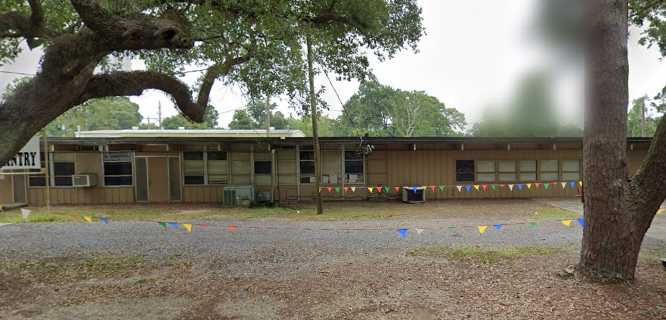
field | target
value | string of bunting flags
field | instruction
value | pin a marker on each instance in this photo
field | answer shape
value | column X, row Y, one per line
column 482, row 187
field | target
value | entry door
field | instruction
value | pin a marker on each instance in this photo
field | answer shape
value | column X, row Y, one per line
column 158, row 180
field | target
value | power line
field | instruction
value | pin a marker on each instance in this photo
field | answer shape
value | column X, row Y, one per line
column 17, row 73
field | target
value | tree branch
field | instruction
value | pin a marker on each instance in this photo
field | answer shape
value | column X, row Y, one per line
column 15, row 25
column 215, row 72
column 649, row 180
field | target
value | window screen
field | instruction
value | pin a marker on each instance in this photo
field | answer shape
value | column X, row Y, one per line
column 507, row 170
column 570, row 170
column 118, row 169
column 194, row 167
column 217, row 167
column 548, row 170
column 527, row 170
column 464, row 170
column 485, row 170
column 307, row 166
column 353, row 167
column 62, row 173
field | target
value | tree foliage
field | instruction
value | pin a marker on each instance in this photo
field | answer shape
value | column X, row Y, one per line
column 114, row 113
column 253, row 116
column 178, row 121
column 380, row 110
column 257, row 45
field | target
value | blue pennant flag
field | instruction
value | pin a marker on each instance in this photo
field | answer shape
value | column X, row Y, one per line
column 104, row 220
column 520, row 186
column 572, row 184
column 498, row 226
column 581, row 221
column 173, row 225
column 402, row 232
column 468, row 188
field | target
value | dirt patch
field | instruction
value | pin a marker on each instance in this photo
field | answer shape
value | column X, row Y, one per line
column 388, row 286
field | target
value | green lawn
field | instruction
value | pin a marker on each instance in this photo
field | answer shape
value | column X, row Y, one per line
column 334, row 211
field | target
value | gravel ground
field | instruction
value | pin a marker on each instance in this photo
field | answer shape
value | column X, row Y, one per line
column 282, row 269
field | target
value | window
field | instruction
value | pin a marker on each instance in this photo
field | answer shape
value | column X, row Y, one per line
column 217, row 167
column 527, row 170
column 353, row 167
column 548, row 170
column 63, row 168
column 39, row 180
column 570, row 170
column 262, row 167
column 194, row 168
column 464, row 170
column 485, row 170
column 507, row 170
column 117, row 169
column 307, row 166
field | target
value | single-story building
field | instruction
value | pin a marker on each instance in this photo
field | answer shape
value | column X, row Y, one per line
column 228, row 166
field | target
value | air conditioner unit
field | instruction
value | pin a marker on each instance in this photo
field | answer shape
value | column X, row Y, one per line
column 413, row 194
column 84, row 180
column 238, row 195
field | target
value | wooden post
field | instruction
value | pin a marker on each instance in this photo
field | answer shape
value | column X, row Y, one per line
column 47, row 189
column 315, row 127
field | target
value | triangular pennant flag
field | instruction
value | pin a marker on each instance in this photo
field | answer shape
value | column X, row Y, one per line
column 433, row 188
column 581, row 221
column 459, row 188
column 546, row 185
column 104, row 220
column 330, row 189
column 402, row 232
column 532, row 224
column 396, row 189
column 337, row 189
column 511, row 187
column 482, row 229
column 25, row 214
column 442, row 188
column 468, row 188
column 493, row 187
column 520, row 186
column 529, row 186
column 566, row 222
column 203, row 225
column 386, row 189
column 580, row 183
column 537, row 185
column 484, row 187
column 498, row 226
column 418, row 230
column 370, row 189
column 162, row 224
column 378, row 188
column 232, row 228
column 564, row 185
column 353, row 189
column 476, row 187
column 572, row 184
column 188, row 227
column 173, row 225
column 88, row 219
column 345, row 189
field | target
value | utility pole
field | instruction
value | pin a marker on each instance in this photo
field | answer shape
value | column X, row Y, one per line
column 268, row 115
column 315, row 127
column 643, row 117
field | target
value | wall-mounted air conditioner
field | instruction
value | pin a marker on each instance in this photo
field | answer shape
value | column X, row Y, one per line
column 413, row 194
column 84, row 180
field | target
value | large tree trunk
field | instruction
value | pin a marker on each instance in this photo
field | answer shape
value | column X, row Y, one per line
column 618, row 211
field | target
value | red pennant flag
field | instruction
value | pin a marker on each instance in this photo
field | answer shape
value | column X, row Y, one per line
column 346, row 189
column 432, row 188
column 397, row 189
column 232, row 228
column 330, row 189
column 537, row 184
column 378, row 188
column 484, row 187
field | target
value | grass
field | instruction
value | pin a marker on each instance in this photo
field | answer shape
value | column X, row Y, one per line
column 551, row 213
column 334, row 212
column 482, row 255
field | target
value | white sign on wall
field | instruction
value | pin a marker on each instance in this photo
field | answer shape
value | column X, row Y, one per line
column 28, row 158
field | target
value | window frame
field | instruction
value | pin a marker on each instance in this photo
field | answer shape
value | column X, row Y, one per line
column 52, row 175
column 520, row 170
column 345, row 174
column 473, row 161
column 500, row 172
column 130, row 154
column 478, row 171
column 556, row 171
column 206, row 178
column 563, row 172
column 301, row 175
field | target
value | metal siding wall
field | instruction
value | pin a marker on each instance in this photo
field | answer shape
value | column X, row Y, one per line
column 6, row 189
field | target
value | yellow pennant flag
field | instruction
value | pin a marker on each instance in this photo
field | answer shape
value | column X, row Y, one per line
column 87, row 218
column 580, row 183
column 187, row 226
column 529, row 185
column 564, row 185
column 566, row 222
column 476, row 186
column 482, row 229
column 370, row 189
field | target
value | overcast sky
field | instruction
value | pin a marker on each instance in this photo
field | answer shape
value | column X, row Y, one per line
column 471, row 58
